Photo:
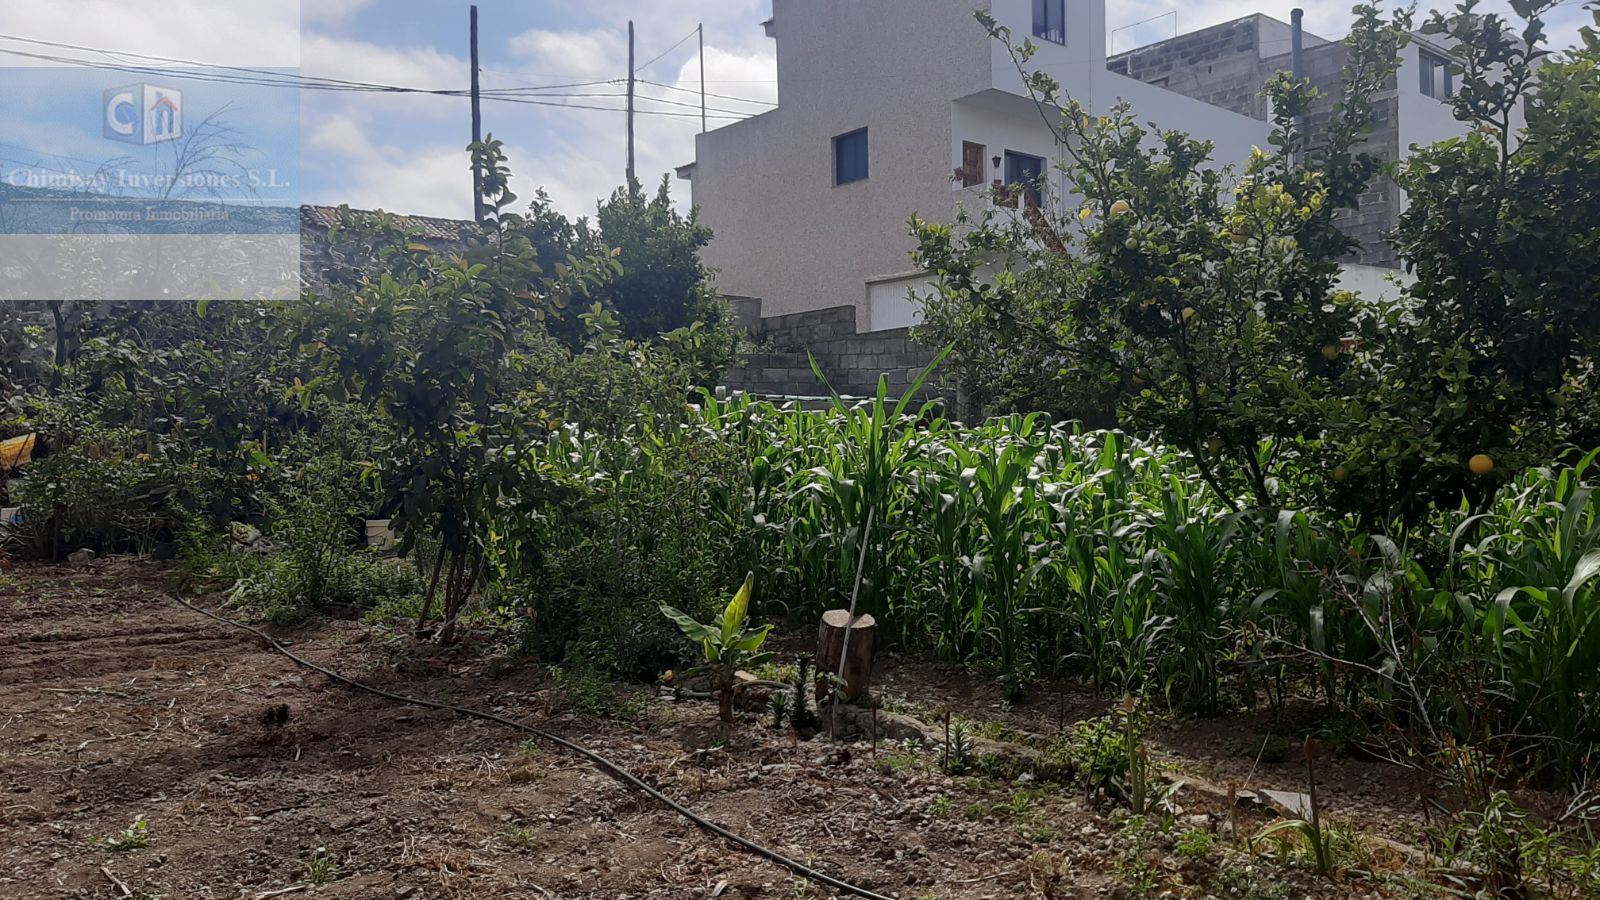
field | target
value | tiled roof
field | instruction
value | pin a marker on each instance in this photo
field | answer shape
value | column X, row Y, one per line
column 429, row 227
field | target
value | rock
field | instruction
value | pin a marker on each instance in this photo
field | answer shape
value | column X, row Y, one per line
column 80, row 557
column 1292, row 803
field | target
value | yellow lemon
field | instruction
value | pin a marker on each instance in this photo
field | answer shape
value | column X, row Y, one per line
column 1330, row 352
column 1482, row 464
column 1214, row 446
column 1120, row 207
column 1189, row 313
column 1340, row 473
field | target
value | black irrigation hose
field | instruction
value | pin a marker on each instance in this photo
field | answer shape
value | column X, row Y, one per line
column 605, row 765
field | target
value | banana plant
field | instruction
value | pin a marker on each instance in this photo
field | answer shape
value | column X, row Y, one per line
column 727, row 645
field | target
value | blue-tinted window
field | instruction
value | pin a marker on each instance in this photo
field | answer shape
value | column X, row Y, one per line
column 1027, row 171
column 1050, row 20
column 850, row 157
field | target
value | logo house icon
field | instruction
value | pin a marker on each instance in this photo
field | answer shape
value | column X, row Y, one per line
column 143, row 114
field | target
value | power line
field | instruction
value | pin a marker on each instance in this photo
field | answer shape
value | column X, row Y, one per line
column 268, row 73
column 657, row 57
column 731, row 112
column 540, row 88
column 673, row 87
column 319, row 84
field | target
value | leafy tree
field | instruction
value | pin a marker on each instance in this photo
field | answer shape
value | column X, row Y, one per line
column 662, row 289
column 1208, row 319
column 446, row 348
column 1492, row 352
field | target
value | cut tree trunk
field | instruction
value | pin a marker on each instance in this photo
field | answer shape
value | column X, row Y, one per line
column 836, row 623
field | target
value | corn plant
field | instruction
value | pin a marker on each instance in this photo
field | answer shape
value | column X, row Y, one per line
column 1527, row 586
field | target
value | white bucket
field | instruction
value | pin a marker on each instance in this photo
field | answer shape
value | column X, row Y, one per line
column 380, row 536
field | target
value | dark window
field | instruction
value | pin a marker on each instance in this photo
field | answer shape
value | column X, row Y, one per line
column 850, row 157
column 1027, row 171
column 971, row 170
column 1438, row 80
column 1050, row 20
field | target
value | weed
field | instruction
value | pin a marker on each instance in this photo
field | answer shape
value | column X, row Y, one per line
column 321, row 868
column 1195, row 843
column 940, row 807
column 134, row 837
column 519, row 836
column 1323, row 848
column 1247, row 883
column 1048, row 873
column 1137, row 863
column 772, row 671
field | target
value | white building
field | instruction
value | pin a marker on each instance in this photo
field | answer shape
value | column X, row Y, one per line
column 880, row 102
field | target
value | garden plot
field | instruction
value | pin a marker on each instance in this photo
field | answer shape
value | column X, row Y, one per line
column 152, row 752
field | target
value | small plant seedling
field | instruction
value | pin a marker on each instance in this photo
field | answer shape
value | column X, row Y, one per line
column 1048, row 873
column 800, row 714
column 133, row 837
column 519, row 836
column 727, row 645
column 1315, row 840
column 779, row 704
column 958, row 746
column 321, row 868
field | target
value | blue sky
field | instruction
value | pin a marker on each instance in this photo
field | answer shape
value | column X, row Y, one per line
column 406, row 152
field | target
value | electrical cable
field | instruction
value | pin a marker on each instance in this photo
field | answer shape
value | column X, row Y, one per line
column 610, row 768
column 532, row 100
column 657, row 57
column 673, row 87
column 530, row 95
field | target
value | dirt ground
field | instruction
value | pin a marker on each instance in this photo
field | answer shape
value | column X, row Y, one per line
column 255, row 778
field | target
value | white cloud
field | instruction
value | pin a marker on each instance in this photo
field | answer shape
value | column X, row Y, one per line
column 351, row 60
column 332, row 10
column 254, row 34
column 433, row 180
column 595, row 53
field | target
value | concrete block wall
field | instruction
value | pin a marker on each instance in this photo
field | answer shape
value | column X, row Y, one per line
column 1224, row 66
column 1218, row 65
column 778, row 365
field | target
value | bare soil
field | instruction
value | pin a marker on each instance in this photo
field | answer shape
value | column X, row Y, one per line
column 255, row 776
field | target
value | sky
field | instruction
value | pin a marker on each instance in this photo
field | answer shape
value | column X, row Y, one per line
column 406, row 152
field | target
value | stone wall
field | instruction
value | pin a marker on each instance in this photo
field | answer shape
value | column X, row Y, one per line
column 778, row 365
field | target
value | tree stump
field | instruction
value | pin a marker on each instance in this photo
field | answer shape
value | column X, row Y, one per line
column 836, row 623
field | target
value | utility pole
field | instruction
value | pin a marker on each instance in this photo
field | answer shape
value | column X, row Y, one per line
column 477, row 119
column 1298, row 63
column 630, row 103
column 702, row 78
